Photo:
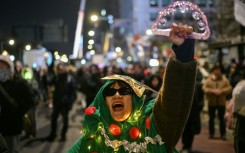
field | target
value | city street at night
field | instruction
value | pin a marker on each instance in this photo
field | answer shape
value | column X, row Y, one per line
column 122, row 76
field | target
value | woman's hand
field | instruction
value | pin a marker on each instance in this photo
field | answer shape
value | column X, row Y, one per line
column 179, row 32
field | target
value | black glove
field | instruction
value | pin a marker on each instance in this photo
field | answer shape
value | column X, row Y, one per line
column 185, row 52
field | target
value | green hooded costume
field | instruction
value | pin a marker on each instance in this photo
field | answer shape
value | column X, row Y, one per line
column 153, row 126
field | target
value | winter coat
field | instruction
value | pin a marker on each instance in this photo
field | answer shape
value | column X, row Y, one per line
column 3, row 145
column 90, row 85
column 11, row 116
column 238, row 95
column 194, row 120
column 221, row 83
column 65, row 90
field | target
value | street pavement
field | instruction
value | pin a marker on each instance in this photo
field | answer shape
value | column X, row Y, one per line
column 43, row 117
column 202, row 144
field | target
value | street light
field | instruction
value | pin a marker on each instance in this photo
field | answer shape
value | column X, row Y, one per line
column 28, row 47
column 91, row 33
column 11, row 42
column 94, row 18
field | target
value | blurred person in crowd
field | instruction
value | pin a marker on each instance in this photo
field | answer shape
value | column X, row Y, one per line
column 154, row 82
column 118, row 120
column 119, row 70
column 233, row 63
column 108, row 70
column 91, row 83
column 233, row 76
column 81, row 71
column 216, row 88
column 138, row 72
column 112, row 69
column 64, row 96
column 193, row 125
column 3, row 145
column 43, row 83
column 229, row 114
column 129, row 70
column 50, row 78
column 16, row 98
column 238, row 95
column 18, row 67
column 30, row 129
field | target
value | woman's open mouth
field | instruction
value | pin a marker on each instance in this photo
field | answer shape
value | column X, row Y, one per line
column 117, row 106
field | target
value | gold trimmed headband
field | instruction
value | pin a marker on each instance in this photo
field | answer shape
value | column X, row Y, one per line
column 137, row 86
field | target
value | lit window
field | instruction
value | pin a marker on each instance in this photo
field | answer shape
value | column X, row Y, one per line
column 153, row 3
column 153, row 16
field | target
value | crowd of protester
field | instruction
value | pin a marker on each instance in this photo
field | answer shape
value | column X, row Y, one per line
column 86, row 81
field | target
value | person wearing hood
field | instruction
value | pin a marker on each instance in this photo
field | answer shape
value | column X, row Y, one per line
column 119, row 120
column 16, row 98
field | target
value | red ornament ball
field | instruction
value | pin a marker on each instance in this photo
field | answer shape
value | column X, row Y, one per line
column 90, row 110
column 148, row 123
column 115, row 129
column 134, row 133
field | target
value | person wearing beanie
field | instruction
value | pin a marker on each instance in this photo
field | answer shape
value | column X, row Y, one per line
column 120, row 120
column 16, row 97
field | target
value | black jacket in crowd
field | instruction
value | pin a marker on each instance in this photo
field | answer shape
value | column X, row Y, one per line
column 65, row 90
column 23, row 97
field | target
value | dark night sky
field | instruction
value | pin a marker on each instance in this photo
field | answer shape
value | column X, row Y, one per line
column 19, row 11
column 36, row 12
column 31, row 12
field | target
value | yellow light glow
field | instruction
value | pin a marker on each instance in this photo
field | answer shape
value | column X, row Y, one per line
column 118, row 49
column 11, row 42
column 89, row 147
column 28, row 47
column 129, row 58
column 46, row 54
column 91, row 33
column 91, row 42
column 57, row 57
column 90, row 47
column 5, row 53
column 154, row 62
column 56, row 53
column 94, row 18
column 92, row 52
